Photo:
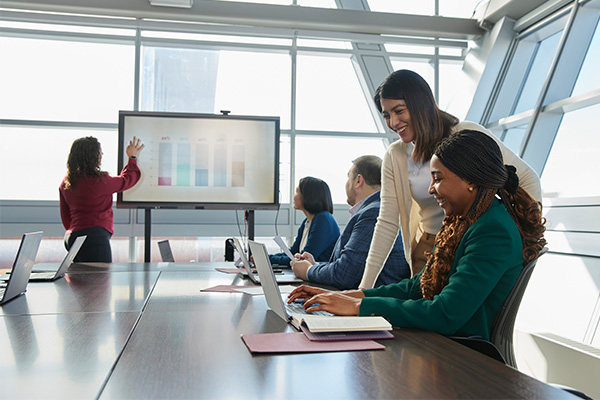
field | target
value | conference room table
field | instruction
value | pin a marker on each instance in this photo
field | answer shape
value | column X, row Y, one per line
column 148, row 331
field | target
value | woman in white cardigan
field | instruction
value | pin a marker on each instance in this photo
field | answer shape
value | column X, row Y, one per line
column 409, row 109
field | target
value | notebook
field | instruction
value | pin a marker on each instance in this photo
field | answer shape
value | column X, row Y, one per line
column 19, row 276
column 253, row 276
column 295, row 314
column 42, row 274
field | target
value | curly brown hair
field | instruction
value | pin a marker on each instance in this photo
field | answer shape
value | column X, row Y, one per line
column 475, row 157
column 84, row 160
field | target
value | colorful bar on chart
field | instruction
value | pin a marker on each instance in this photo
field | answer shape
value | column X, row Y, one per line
column 201, row 164
column 220, row 166
column 238, row 166
column 183, row 164
column 165, row 162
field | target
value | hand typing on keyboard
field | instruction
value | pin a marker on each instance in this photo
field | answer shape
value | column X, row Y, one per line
column 297, row 307
column 304, row 293
column 317, row 299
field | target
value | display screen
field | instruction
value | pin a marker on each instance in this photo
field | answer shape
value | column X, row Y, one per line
column 202, row 161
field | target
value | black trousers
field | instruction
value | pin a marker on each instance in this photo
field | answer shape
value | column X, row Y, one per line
column 96, row 247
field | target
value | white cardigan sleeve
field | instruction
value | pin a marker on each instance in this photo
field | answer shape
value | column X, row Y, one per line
column 394, row 213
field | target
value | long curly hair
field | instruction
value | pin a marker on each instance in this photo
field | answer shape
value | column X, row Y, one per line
column 476, row 158
column 84, row 160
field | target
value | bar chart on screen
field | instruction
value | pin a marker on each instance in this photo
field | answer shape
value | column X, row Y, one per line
column 201, row 164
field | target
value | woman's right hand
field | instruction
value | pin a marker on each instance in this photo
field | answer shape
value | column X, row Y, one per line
column 134, row 148
column 304, row 292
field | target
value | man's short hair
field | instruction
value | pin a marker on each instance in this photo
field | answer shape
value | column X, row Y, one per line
column 370, row 169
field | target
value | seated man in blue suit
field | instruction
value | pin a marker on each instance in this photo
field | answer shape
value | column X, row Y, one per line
column 346, row 265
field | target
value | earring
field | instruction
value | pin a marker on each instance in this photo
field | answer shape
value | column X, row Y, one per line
column 470, row 188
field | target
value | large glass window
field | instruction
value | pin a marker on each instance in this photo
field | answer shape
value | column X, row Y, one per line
column 453, row 84
column 537, row 73
column 79, row 77
column 461, row 8
column 61, row 80
column 329, row 158
column 330, row 97
column 284, row 169
column 41, row 156
column 588, row 76
column 513, row 138
column 422, row 7
column 178, row 80
column 208, row 81
column 573, row 158
column 254, row 84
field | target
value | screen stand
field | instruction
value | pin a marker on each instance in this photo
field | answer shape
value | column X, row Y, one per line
column 250, row 220
column 147, row 235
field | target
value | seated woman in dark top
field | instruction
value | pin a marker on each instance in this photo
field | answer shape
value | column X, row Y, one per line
column 319, row 231
column 492, row 227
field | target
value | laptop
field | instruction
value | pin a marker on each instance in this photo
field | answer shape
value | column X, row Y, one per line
column 40, row 274
column 253, row 276
column 269, row 285
column 19, row 277
column 351, row 328
column 165, row 251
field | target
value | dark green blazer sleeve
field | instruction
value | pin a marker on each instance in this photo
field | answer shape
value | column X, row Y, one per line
column 485, row 268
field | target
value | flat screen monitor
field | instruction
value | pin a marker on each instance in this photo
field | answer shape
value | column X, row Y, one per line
column 210, row 161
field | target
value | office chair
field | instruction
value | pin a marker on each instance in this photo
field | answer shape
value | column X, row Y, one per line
column 165, row 251
column 504, row 326
column 500, row 346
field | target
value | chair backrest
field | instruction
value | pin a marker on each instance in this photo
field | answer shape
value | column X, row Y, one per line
column 503, row 329
column 165, row 251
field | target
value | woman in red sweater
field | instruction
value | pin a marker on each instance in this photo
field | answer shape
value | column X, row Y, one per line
column 86, row 196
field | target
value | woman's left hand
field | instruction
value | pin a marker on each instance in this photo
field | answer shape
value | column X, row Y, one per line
column 334, row 302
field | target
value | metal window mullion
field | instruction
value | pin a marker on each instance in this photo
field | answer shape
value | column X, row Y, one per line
column 137, row 70
column 41, row 34
column 60, row 124
column 71, row 20
column 436, row 75
column 220, row 29
column 574, row 103
column 294, row 72
column 550, row 11
column 137, row 66
column 211, row 45
column 540, row 102
column 496, row 89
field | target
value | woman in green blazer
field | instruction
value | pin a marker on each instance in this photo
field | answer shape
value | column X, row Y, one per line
column 492, row 227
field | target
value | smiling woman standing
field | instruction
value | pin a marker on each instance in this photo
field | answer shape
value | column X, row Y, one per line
column 491, row 228
column 407, row 104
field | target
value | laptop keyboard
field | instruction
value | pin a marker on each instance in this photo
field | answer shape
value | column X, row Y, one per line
column 297, row 308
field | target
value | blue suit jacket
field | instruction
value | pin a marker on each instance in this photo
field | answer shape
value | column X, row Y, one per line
column 323, row 233
column 345, row 268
